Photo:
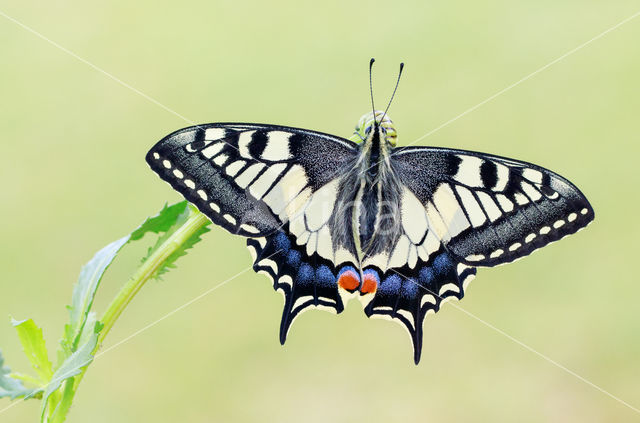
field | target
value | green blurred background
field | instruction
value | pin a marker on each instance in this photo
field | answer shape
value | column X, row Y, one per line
column 74, row 178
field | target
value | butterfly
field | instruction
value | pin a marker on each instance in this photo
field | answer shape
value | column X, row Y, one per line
column 329, row 219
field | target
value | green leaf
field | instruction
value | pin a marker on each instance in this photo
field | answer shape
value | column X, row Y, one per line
column 180, row 219
column 10, row 387
column 80, row 338
column 91, row 274
column 161, row 222
column 85, row 290
column 72, row 366
column 34, row 348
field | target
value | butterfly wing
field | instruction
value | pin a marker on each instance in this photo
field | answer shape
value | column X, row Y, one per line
column 277, row 186
column 460, row 210
column 488, row 210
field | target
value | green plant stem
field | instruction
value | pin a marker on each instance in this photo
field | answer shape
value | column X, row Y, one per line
column 194, row 223
column 145, row 272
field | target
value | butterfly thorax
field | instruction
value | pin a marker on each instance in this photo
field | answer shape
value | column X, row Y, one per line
column 376, row 211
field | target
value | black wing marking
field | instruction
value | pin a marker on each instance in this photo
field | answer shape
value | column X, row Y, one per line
column 243, row 176
column 489, row 210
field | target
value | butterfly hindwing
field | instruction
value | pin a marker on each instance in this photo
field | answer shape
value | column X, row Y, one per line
column 305, row 280
column 407, row 294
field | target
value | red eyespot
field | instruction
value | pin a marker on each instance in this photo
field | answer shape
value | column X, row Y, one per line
column 349, row 280
column 370, row 284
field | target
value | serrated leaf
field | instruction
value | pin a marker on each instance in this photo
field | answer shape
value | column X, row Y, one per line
column 10, row 387
column 161, row 222
column 73, row 365
column 34, row 348
column 169, row 263
column 91, row 274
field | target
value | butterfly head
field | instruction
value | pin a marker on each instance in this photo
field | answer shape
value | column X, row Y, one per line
column 367, row 123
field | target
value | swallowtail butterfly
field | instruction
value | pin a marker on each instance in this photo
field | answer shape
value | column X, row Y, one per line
column 329, row 219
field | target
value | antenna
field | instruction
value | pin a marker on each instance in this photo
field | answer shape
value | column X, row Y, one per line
column 394, row 92
column 373, row 108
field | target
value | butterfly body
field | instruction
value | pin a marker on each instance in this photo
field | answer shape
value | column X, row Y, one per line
column 329, row 219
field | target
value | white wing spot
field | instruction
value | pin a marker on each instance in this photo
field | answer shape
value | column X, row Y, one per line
column 515, row 246
column 400, row 252
column 178, row 174
column 490, row 206
column 427, row 299
column 450, row 210
column 558, row 223
column 243, row 143
column 545, row 230
column 469, row 171
column 312, row 243
column 235, row 167
column 212, row 150
column 260, row 186
column 221, row 159
column 436, row 224
column 320, row 206
column 475, row 257
column 229, row 219
column 414, row 218
column 533, row 175
column 521, row 199
column 503, row 176
column 214, row 133
column 304, row 238
column 248, row 175
column 412, row 260
column 529, row 238
column 277, row 147
column 203, row 195
column 471, row 206
column 167, row 164
column 497, row 253
column 572, row 217
column 156, row 156
column 553, row 196
column 504, row 202
column 286, row 189
column 286, row 279
column 189, row 183
column 214, row 207
column 249, row 228
column 531, row 192
column 467, row 280
column 268, row 263
column 584, row 211
column 325, row 246
column 448, row 287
